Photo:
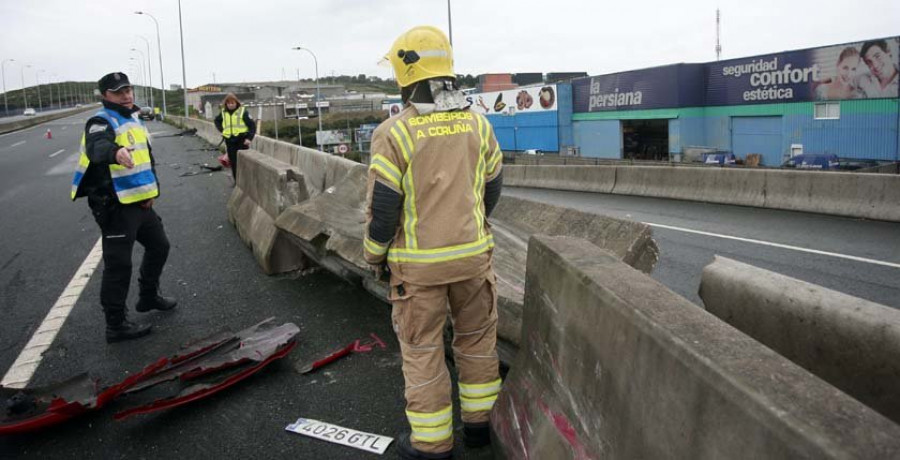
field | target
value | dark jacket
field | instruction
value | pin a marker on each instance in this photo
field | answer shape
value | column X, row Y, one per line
column 251, row 126
column 100, row 147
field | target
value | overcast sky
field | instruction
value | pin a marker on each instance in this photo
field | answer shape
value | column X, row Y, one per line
column 252, row 40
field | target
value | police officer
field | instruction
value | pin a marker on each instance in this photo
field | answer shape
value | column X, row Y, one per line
column 116, row 173
column 236, row 127
column 434, row 177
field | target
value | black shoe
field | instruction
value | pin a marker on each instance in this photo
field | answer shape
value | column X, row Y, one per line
column 477, row 434
column 157, row 302
column 126, row 330
column 406, row 451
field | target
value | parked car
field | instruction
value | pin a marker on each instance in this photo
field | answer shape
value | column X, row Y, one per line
column 29, row 112
column 719, row 158
column 533, row 152
column 147, row 113
column 812, row 161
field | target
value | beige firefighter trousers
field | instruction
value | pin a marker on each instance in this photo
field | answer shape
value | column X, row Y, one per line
column 419, row 314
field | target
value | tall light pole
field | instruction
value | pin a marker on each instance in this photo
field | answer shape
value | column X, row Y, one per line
column 162, row 77
column 37, row 80
column 24, row 92
column 183, row 72
column 49, row 88
column 58, row 90
column 450, row 23
column 318, row 95
column 3, row 73
column 143, row 74
column 149, row 68
column 140, row 70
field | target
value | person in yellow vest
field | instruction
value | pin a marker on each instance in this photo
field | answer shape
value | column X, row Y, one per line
column 117, row 175
column 237, row 128
column 434, row 178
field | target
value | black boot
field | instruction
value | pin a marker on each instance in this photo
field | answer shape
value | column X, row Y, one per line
column 155, row 302
column 406, row 451
column 126, row 330
column 477, row 434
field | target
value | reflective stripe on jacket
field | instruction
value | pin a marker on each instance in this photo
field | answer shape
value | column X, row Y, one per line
column 233, row 123
column 131, row 185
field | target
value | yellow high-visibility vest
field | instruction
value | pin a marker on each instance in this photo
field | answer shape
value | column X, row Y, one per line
column 131, row 185
column 233, row 123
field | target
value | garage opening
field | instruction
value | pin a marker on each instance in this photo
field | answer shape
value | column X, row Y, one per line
column 645, row 139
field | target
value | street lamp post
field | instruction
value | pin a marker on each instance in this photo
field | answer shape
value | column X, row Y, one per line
column 318, row 95
column 58, row 90
column 24, row 92
column 140, row 70
column 149, row 68
column 450, row 23
column 37, row 81
column 49, row 88
column 162, row 77
column 5, row 101
column 143, row 73
column 184, row 87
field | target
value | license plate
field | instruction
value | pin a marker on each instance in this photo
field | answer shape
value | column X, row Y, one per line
column 339, row 435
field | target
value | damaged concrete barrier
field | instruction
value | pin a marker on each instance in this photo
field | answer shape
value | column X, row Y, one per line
column 329, row 229
column 615, row 365
column 514, row 220
column 265, row 188
column 852, row 343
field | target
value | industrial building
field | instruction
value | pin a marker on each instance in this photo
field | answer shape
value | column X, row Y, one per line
column 837, row 100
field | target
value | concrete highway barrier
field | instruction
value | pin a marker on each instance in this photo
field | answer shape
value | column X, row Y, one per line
column 867, row 196
column 326, row 225
column 265, row 188
column 852, row 343
column 615, row 365
column 600, row 179
column 38, row 119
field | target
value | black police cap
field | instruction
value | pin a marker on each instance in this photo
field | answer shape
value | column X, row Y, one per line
column 113, row 82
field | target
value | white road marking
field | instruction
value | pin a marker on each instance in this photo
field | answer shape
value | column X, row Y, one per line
column 30, row 358
column 57, row 152
column 778, row 245
column 17, row 144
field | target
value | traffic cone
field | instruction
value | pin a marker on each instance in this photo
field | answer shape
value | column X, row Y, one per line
column 49, row 134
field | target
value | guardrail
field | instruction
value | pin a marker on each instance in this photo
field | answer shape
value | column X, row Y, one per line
column 29, row 122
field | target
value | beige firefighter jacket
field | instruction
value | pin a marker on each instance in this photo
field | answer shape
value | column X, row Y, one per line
column 439, row 163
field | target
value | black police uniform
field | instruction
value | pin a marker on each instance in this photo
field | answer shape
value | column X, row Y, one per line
column 121, row 225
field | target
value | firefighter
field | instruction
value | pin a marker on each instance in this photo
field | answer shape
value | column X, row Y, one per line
column 116, row 172
column 237, row 128
column 434, row 177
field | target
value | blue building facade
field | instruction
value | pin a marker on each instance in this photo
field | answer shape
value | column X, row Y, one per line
column 773, row 106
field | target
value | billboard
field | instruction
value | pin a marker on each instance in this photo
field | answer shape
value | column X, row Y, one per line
column 863, row 70
column 540, row 98
column 333, row 137
column 679, row 85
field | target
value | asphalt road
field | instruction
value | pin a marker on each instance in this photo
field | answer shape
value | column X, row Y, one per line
column 45, row 238
column 684, row 252
column 213, row 274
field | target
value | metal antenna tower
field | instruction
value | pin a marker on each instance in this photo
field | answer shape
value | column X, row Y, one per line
column 718, row 34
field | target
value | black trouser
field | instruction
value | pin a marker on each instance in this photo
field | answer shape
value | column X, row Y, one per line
column 232, row 145
column 122, row 225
